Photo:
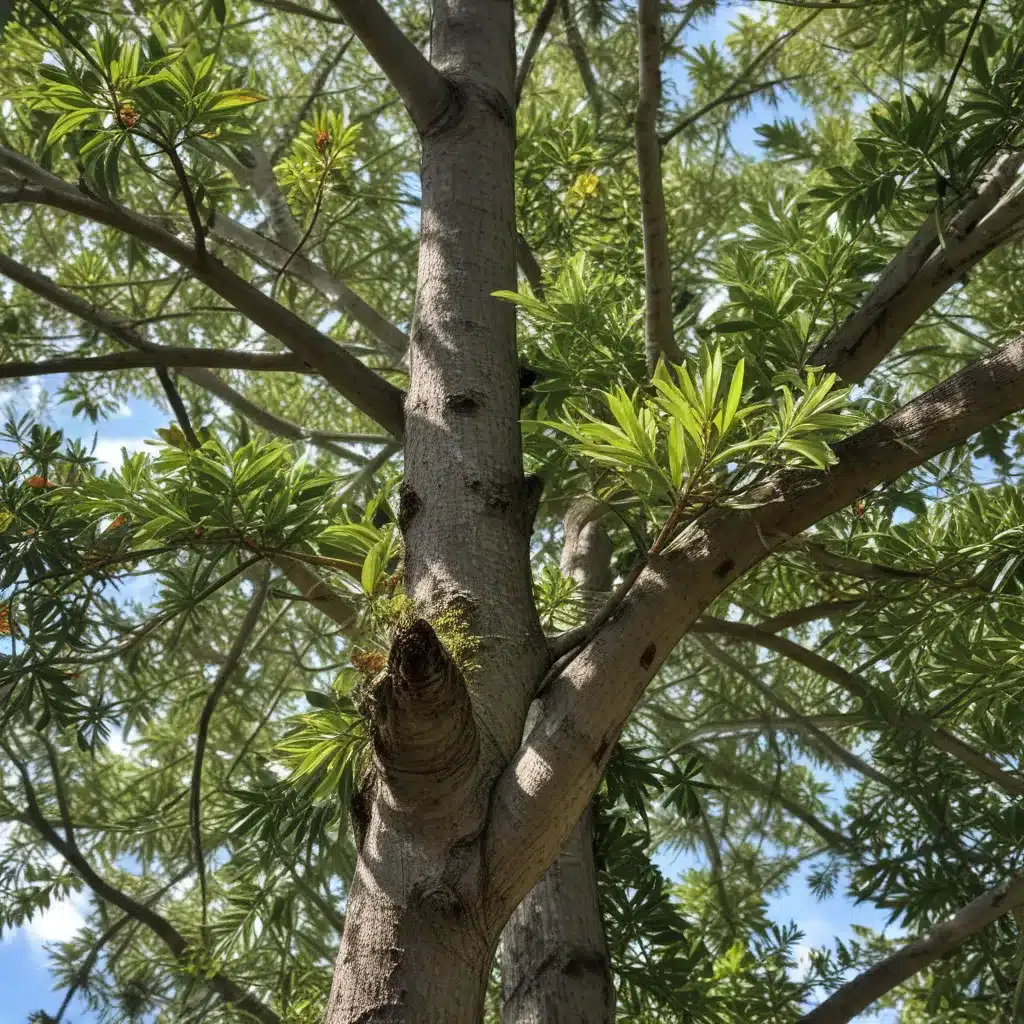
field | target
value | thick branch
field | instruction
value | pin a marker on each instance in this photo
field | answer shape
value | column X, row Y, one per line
column 857, row 995
column 545, row 787
column 370, row 393
column 919, row 274
column 660, row 340
column 158, row 356
column 129, row 336
column 345, row 300
column 424, row 90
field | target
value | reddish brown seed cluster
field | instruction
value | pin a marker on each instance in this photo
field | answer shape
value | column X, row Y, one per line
column 369, row 662
column 119, row 520
column 5, row 620
column 38, row 482
column 128, row 116
column 322, row 139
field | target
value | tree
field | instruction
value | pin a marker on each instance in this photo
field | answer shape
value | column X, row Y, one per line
column 370, row 675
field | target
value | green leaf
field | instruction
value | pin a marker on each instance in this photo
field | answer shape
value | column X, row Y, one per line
column 373, row 565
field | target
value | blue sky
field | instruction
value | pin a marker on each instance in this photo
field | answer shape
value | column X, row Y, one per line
column 24, row 979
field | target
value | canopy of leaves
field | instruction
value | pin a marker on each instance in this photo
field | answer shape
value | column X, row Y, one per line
column 122, row 590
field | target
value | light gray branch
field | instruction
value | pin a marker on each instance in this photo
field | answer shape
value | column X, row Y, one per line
column 424, row 90
column 373, row 395
column 857, row 995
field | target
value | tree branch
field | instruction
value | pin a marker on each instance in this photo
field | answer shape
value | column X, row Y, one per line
column 922, row 272
column 273, row 255
column 300, row 9
column 813, row 612
column 543, row 790
column 740, row 81
column 660, row 339
column 370, row 393
column 227, row 669
column 579, row 54
column 157, row 356
column 128, row 335
column 777, row 700
column 540, row 27
column 857, row 995
column 227, row 989
column 874, row 700
column 424, row 90
column 720, row 101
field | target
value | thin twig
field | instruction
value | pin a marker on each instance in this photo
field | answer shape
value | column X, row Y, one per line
column 227, row 669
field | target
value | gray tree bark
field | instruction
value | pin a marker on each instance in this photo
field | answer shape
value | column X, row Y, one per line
column 554, row 958
column 419, row 937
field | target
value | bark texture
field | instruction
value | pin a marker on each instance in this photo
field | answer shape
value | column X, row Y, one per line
column 555, row 963
column 419, row 940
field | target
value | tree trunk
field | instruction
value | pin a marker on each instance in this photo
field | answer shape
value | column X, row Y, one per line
column 555, row 964
column 419, row 941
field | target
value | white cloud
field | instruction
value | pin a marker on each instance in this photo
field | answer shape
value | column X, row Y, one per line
column 59, row 923
column 108, row 449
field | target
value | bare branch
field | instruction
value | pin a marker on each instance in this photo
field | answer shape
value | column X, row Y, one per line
column 370, row 393
column 540, row 27
column 424, row 90
column 224, row 674
column 319, row 593
column 874, row 700
column 660, row 338
column 821, row 555
column 923, row 271
column 529, row 266
column 177, row 405
column 541, row 793
column 227, row 989
column 272, row 255
column 165, row 356
column 857, row 995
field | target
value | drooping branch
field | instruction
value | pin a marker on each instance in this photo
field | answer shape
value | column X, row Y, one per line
column 540, row 27
column 578, row 50
column 740, row 87
column 858, row 994
column 743, row 780
column 166, row 356
column 778, row 700
column 370, row 393
column 288, row 7
column 660, row 339
column 547, row 784
column 228, row 990
column 924, row 270
column 874, row 700
column 424, row 90
column 224, row 674
column 319, row 593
